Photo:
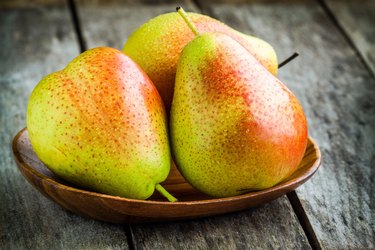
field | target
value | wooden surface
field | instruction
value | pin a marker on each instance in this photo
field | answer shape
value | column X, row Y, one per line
column 357, row 22
column 333, row 79
column 261, row 228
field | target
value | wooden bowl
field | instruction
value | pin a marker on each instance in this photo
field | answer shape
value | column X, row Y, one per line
column 191, row 204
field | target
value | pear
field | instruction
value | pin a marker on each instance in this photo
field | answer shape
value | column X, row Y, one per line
column 101, row 124
column 234, row 126
column 157, row 44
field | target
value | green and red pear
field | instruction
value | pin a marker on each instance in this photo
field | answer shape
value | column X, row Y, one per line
column 101, row 124
column 234, row 126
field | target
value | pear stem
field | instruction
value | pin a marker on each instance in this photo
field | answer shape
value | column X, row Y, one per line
column 182, row 13
column 165, row 193
column 288, row 59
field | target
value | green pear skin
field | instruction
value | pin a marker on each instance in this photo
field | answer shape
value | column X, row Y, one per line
column 101, row 124
column 157, row 44
column 234, row 126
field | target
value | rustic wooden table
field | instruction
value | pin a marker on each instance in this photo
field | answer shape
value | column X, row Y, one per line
column 333, row 78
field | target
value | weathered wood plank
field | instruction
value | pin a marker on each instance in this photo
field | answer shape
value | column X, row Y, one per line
column 337, row 93
column 357, row 19
column 36, row 41
column 274, row 225
column 22, row 4
column 271, row 226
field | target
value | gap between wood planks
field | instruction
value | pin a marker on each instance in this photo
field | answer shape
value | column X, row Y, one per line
column 303, row 220
column 77, row 25
column 292, row 197
column 129, row 237
column 351, row 43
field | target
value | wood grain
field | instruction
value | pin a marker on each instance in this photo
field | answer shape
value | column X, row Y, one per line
column 22, row 4
column 123, row 19
column 249, row 229
column 357, row 20
column 36, row 41
column 337, row 93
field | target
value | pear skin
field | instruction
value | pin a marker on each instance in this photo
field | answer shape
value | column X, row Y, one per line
column 234, row 126
column 101, row 124
column 157, row 44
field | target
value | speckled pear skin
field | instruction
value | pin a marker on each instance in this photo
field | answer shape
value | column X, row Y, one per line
column 157, row 44
column 100, row 123
column 234, row 126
